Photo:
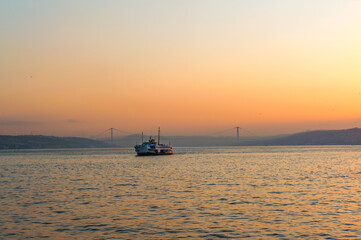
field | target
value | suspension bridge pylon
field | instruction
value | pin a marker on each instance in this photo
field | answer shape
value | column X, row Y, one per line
column 238, row 128
column 112, row 130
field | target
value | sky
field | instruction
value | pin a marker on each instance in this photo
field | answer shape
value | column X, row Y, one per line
column 77, row 68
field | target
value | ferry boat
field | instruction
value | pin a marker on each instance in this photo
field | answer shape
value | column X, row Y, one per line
column 153, row 148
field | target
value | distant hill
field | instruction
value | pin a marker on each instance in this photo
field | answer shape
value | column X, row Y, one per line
column 321, row 137
column 39, row 142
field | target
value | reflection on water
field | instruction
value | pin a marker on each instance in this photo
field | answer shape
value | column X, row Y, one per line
column 257, row 192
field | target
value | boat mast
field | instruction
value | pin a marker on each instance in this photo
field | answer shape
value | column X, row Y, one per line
column 142, row 138
column 158, row 135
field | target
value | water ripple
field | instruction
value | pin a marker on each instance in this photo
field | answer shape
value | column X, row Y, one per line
column 211, row 193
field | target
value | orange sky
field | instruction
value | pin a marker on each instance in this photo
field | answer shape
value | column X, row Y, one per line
column 192, row 68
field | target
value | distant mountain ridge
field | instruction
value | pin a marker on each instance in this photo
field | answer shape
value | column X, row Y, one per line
column 40, row 142
column 320, row 137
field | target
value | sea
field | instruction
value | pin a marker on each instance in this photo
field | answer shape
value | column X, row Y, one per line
column 301, row 192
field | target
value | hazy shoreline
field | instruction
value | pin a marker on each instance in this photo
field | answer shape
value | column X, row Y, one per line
column 311, row 138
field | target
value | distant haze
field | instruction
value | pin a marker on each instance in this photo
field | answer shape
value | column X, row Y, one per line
column 77, row 68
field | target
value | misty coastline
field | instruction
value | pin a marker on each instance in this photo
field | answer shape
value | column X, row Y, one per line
column 320, row 137
column 47, row 142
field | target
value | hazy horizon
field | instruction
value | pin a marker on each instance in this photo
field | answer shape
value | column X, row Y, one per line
column 194, row 68
column 244, row 133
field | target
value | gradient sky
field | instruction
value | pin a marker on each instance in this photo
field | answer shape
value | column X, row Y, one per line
column 191, row 67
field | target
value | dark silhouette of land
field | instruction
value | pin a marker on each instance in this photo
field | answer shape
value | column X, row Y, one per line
column 40, row 142
column 321, row 137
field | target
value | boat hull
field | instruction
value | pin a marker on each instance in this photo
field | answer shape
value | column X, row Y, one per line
column 154, row 154
column 145, row 150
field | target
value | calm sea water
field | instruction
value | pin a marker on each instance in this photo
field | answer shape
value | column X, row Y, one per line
column 198, row 193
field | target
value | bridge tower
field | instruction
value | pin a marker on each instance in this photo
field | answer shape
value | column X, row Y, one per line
column 238, row 128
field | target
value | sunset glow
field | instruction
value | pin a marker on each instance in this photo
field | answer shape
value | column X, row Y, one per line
column 192, row 67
